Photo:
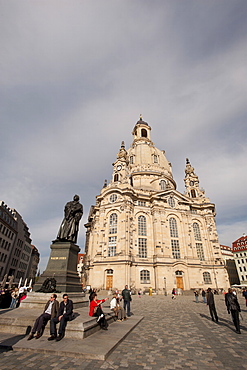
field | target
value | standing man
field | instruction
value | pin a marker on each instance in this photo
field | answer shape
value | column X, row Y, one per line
column 50, row 311
column 204, row 296
column 211, row 305
column 64, row 314
column 126, row 294
column 233, row 307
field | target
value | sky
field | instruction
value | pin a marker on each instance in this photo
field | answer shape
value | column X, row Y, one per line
column 75, row 76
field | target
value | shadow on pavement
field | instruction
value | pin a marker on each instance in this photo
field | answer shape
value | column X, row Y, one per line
column 223, row 322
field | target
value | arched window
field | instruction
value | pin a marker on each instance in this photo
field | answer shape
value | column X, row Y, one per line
column 197, row 233
column 113, row 223
column 207, row 278
column 179, row 273
column 142, row 225
column 145, row 277
column 116, row 177
column 173, row 227
column 131, row 159
column 193, row 193
column 144, row 132
column 162, row 185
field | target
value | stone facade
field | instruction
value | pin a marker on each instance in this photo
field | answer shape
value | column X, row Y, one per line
column 239, row 248
column 144, row 233
column 15, row 245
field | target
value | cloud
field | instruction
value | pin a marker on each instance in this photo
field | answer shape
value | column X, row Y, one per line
column 74, row 78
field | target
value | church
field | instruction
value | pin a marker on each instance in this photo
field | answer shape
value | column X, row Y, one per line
column 144, row 233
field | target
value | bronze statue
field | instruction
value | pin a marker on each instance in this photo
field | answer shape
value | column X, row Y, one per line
column 69, row 228
column 49, row 286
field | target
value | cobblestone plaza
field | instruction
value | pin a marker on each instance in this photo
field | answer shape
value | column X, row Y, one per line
column 174, row 334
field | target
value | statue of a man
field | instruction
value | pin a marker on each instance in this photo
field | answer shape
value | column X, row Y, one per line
column 69, row 228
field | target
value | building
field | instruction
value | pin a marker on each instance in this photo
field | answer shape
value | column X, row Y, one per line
column 239, row 248
column 144, row 233
column 229, row 261
column 17, row 256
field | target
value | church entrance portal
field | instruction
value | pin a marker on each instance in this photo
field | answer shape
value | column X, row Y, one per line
column 109, row 279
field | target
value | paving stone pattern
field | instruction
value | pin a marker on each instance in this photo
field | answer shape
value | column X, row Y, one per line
column 174, row 334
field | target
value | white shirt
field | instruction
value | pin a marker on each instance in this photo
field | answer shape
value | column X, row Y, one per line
column 48, row 310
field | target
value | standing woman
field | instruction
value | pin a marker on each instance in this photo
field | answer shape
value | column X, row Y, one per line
column 233, row 307
column 95, row 310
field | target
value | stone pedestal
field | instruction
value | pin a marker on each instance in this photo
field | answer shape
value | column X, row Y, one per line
column 62, row 265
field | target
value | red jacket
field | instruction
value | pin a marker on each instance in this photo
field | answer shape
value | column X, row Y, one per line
column 94, row 304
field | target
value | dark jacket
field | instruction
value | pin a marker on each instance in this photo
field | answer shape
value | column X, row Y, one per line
column 68, row 310
column 126, row 295
column 54, row 309
column 210, row 299
column 231, row 302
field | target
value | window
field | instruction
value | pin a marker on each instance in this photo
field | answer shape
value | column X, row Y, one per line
column 207, row 278
column 179, row 273
column 109, row 272
column 240, row 269
column 155, row 158
column 131, row 159
column 200, row 252
column 112, row 242
column 113, row 224
column 193, row 193
column 175, row 249
column 142, row 247
column 141, row 203
column 145, row 277
column 171, row 202
column 113, row 198
column 197, row 233
column 173, row 227
column 116, row 177
column 144, row 132
column 142, row 225
column 162, row 185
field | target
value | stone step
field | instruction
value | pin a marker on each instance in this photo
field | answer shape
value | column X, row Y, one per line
column 97, row 346
column 19, row 321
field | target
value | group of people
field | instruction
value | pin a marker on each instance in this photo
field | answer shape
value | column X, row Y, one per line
column 95, row 308
column 62, row 313
column 11, row 298
column 232, row 305
column 56, row 314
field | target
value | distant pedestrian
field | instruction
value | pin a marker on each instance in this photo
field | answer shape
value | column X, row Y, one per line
column 196, row 295
column 204, row 296
column 126, row 294
column 173, row 293
column 211, row 305
column 233, row 307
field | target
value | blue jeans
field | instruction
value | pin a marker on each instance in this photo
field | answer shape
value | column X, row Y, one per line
column 127, row 303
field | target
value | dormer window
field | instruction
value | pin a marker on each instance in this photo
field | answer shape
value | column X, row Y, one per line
column 155, row 158
column 144, row 133
column 116, row 177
